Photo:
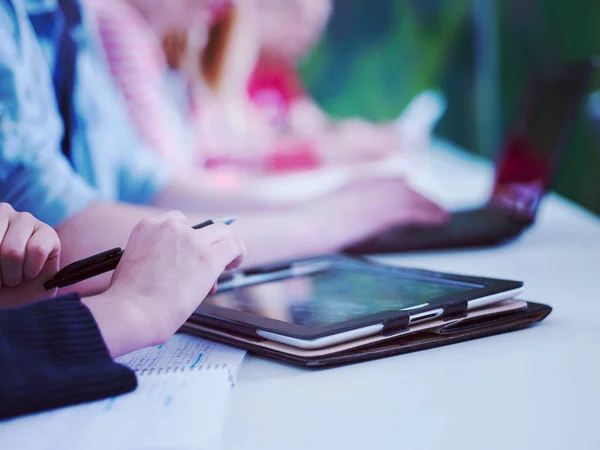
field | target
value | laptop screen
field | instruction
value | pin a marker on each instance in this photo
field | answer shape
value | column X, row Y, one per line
column 530, row 154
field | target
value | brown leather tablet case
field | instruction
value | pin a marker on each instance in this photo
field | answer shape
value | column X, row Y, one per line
column 509, row 315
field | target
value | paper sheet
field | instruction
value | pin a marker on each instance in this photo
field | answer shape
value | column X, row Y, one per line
column 183, row 351
column 184, row 387
column 183, row 411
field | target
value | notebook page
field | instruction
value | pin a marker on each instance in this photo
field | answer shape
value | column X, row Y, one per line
column 181, row 401
column 183, row 410
column 183, row 351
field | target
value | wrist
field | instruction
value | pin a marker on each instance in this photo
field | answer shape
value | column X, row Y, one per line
column 120, row 325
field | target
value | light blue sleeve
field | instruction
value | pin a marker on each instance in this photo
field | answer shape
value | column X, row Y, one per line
column 34, row 175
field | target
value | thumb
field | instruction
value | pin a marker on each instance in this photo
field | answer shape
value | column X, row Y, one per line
column 47, row 272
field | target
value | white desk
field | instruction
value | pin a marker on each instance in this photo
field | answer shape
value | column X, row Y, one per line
column 537, row 388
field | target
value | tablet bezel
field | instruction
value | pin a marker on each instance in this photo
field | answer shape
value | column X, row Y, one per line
column 248, row 324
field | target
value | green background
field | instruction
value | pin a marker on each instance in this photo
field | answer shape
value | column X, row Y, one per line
column 377, row 54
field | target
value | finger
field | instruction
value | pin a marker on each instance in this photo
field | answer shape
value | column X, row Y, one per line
column 213, row 233
column 427, row 217
column 3, row 230
column 12, row 251
column 436, row 212
column 213, row 290
column 47, row 272
column 43, row 246
column 429, row 208
column 390, row 185
column 177, row 215
column 419, row 202
column 237, row 262
column 226, row 252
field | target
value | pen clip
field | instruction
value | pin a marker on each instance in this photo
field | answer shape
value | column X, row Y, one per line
column 86, row 262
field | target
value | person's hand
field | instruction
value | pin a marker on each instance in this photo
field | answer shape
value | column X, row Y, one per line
column 29, row 256
column 356, row 140
column 167, row 269
column 369, row 207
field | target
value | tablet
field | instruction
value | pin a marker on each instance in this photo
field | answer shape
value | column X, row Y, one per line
column 318, row 302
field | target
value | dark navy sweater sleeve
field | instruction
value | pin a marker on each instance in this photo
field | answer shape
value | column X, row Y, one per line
column 51, row 355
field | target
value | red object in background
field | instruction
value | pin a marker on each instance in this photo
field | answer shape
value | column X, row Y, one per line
column 522, row 161
column 522, row 177
column 299, row 157
column 273, row 87
column 293, row 158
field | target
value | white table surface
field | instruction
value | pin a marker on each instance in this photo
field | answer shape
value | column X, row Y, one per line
column 537, row 388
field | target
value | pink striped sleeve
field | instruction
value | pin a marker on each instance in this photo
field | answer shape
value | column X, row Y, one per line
column 135, row 61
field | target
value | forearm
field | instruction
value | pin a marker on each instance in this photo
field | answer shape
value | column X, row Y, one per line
column 306, row 231
column 191, row 194
column 51, row 355
column 99, row 227
column 325, row 226
column 269, row 236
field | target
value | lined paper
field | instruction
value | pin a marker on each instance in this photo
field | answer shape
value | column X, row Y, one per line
column 184, row 390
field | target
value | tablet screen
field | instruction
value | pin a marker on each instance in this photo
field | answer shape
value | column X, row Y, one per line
column 334, row 296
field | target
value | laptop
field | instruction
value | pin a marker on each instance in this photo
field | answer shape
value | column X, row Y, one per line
column 524, row 169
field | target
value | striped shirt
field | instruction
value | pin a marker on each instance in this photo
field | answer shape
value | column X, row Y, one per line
column 138, row 66
column 167, row 113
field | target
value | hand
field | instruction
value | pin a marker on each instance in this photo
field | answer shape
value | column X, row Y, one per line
column 166, row 271
column 355, row 140
column 369, row 207
column 29, row 256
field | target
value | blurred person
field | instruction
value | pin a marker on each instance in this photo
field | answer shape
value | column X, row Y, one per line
column 288, row 30
column 59, row 351
column 70, row 156
column 146, row 44
column 231, row 65
column 209, row 55
column 253, row 94
column 182, row 68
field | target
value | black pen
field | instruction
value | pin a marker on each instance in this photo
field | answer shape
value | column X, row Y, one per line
column 103, row 262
